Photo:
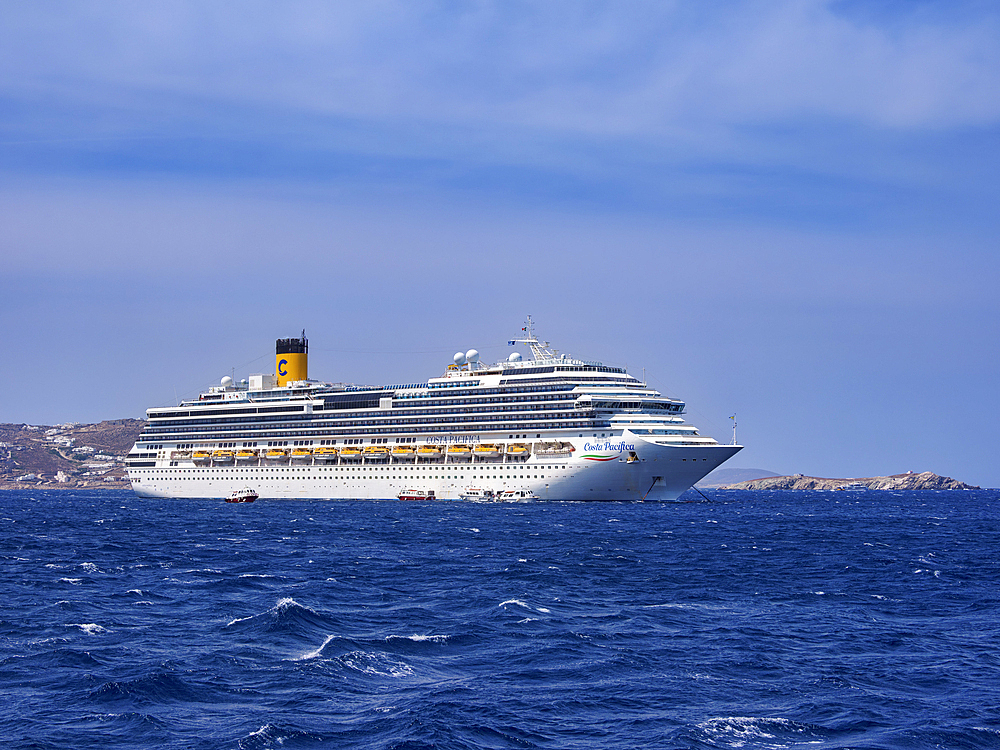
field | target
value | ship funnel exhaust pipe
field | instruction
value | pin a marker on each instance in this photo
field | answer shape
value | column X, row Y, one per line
column 291, row 360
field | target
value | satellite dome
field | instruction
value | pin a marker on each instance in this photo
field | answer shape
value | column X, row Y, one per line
column 459, row 358
column 515, row 357
column 472, row 355
column 227, row 381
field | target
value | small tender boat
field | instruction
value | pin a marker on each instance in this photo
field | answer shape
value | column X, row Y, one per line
column 376, row 451
column 202, row 457
column 245, row 455
column 518, row 450
column 415, row 494
column 350, row 452
column 459, row 451
column 478, row 495
column 223, row 457
column 246, row 495
column 429, row 451
column 403, row 452
column 517, row 496
column 180, row 455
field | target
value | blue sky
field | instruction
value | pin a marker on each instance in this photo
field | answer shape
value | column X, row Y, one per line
column 785, row 210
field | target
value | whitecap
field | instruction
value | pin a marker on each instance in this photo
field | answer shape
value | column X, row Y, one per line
column 256, row 575
column 376, row 663
column 74, row 581
column 89, row 567
column 90, row 628
column 518, row 602
column 738, row 731
column 418, row 638
column 317, row 652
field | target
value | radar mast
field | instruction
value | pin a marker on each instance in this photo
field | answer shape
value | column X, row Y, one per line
column 540, row 350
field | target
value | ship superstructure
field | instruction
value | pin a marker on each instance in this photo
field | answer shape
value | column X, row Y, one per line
column 551, row 427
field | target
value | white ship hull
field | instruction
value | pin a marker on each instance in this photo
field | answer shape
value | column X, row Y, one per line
column 660, row 473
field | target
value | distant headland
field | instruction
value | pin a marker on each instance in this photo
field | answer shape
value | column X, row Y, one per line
column 926, row 480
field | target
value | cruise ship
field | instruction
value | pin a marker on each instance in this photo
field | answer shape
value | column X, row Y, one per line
column 551, row 427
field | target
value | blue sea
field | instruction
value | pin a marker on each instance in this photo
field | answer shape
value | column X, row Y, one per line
column 757, row 620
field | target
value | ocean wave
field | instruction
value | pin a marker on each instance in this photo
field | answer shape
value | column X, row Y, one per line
column 90, row 628
column 286, row 615
column 418, row 638
column 316, row 652
column 158, row 687
column 770, row 733
column 376, row 664
column 272, row 736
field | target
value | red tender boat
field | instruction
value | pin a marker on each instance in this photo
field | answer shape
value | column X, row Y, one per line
column 416, row 495
column 246, row 495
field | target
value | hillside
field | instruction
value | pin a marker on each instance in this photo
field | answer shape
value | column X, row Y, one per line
column 67, row 454
column 910, row 481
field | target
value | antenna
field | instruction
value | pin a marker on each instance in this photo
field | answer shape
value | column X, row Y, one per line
column 539, row 349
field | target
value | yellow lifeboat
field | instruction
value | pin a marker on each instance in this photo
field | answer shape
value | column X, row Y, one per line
column 301, row 455
column 517, row 450
column 325, row 453
column 246, row 454
column 276, row 455
column 429, row 451
column 376, row 451
column 223, row 456
column 402, row 451
column 459, row 451
column 350, row 452
column 201, row 457
column 487, row 450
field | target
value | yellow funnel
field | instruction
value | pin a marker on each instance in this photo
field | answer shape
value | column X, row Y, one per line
column 291, row 360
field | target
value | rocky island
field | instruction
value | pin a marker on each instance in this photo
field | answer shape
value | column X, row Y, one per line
column 926, row 480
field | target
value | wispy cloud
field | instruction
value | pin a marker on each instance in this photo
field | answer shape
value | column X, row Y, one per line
column 607, row 69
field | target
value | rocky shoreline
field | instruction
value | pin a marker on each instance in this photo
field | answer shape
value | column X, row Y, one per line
column 926, row 480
